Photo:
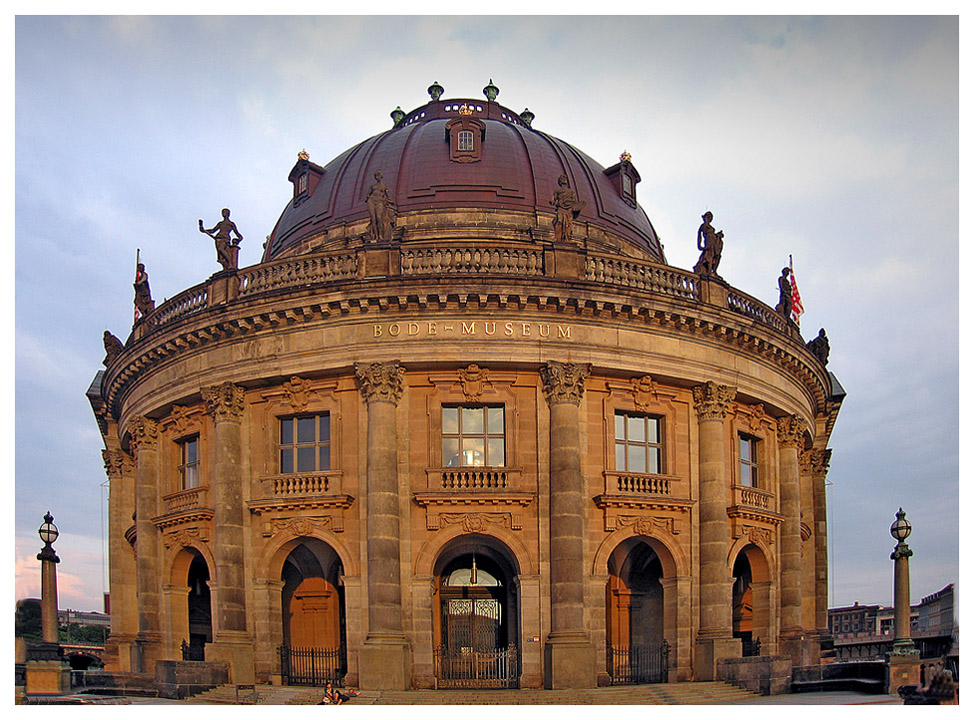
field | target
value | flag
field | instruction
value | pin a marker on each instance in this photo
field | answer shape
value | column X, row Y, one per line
column 796, row 299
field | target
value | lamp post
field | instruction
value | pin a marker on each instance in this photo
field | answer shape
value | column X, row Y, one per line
column 900, row 530
column 49, row 560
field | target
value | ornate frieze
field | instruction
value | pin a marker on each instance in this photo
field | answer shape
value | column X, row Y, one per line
column 564, row 382
column 473, row 380
column 380, row 382
column 299, row 394
column 224, row 401
column 644, row 391
column 186, row 537
column 712, row 400
column 643, row 525
column 473, row 522
column 791, row 429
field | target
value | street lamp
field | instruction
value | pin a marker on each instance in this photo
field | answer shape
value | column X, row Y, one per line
column 900, row 530
column 49, row 560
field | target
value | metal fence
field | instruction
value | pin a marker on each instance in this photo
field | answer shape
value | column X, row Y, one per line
column 469, row 668
column 312, row 665
column 635, row 664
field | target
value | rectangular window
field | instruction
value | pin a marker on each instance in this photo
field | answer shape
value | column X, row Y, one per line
column 638, row 443
column 465, row 141
column 473, row 435
column 305, row 444
column 189, row 464
column 747, row 460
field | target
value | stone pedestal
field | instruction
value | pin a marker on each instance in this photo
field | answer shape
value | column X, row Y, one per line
column 46, row 677
column 709, row 651
column 569, row 661
column 384, row 663
column 902, row 669
column 236, row 649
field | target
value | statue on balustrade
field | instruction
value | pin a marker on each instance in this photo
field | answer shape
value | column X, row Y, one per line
column 382, row 210
column 784, row 294
column 819, row 347
column 113, row 348
column 711, row 245
column 227, row 247
column 144, row 303
column 567, row 207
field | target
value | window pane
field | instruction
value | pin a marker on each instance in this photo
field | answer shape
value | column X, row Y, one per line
column 192, row 477
column 495, row 420
column 324, row 428
column 324, row 457
column 620, row 456
column 637, row 458
column 745, row 449
column 653, row 426
column 306, row 430
column 620, row 427
column 450, row 423
column 189, row 449
column 287, row 431
column 654, row 460
column 450, row 450
column 472, row 451
column 495, row 454
column 306, row 459
column 637, row 429
column 287, row 461
column 745, row 475
column 472, row 420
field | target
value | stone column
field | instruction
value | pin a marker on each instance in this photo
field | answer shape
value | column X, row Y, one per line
column 820, row 466
column 144, row 433
column 384, row 660
column 903, row 660
column 569, row 654
column 791, row 430
column 231, row 641
column 715, row 637
column 120, row 467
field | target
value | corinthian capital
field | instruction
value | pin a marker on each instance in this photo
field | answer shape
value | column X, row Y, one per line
column 143, row 432
column 564, row 382
column 224, row 401
column 712, row 400
column 790, row 431
column 815, row 462
column 118, row 464
column 380, row 382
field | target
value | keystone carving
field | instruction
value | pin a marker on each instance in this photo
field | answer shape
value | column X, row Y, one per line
column 712, row 400
column 474, row 522
column 564, row 382
column 644, row 391
column 791, row 429
column 647, row 525
column 380, row 382
column 299, row 393
column 473, row 378
column 753, row 414
column 224, row 401
column 179, row 417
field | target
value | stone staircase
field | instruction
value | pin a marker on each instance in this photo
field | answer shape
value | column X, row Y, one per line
column 686, row 693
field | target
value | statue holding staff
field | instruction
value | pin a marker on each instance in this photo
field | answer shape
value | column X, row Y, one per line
column 227, row 247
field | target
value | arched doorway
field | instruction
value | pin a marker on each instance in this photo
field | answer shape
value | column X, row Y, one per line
column 198, row 609
column 475, row 615
column 313, row 615
column 751, row 613
column 636, row 649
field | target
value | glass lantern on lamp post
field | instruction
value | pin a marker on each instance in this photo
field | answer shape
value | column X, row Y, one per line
column 900, row 530
column 49, row 560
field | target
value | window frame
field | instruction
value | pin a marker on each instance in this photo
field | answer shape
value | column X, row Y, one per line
column 658, row 446
column 485, row 435
column 184, row 465
column 295, row 445
column 753, row 463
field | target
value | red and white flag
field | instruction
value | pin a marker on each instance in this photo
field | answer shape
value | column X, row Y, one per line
column 796, row 299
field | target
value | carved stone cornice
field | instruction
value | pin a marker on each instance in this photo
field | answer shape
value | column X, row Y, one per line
column 298, row 392
column 143, row 433
column 224, row 401
column 118, row 464
column 564, row 382
column 712, row 401
column 380, row 382
column 473, row 378
column 791, row 430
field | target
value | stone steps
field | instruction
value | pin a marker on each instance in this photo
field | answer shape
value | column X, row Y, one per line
column 687, row 693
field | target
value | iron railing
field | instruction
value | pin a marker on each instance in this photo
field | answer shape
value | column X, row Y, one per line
column 636, row 664
column 469, row 668
column 751, row 648
column 313, row 665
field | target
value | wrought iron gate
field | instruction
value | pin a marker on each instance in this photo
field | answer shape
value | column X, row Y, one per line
column 635, row 664
column 469, row 668
column 312, row 666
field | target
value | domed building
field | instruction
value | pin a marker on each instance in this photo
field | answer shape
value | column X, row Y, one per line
column 463, row 426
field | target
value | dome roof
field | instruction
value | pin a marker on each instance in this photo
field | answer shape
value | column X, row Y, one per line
column 514, row 168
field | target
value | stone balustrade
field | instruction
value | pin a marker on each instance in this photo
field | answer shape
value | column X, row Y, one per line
column 470, row 478
column 753, row 498
column 188, row 302
column 650, row 277
column 299, row 485
column 186, row 499
column 746, row 305
column 636, row 483
column 306, row 270
column 503, row 261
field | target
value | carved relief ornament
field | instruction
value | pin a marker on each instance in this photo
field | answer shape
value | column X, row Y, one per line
column 643, row 525
column 143, row 433
column 475, row 522
column 473, row 379
column 712, row 400
column 380, row 382
column 118, row 464
column 644, row 391
column 564, row 382
column 791, row 428
column 224, row 401
column 298, row 392
column 815, row 462
column 754, row 415
column 179, row 417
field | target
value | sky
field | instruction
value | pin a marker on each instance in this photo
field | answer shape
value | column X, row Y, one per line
column 830, row 139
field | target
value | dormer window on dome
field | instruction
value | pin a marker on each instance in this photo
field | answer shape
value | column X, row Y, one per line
column 624, row 177
column 465, row 134
column 304, row 177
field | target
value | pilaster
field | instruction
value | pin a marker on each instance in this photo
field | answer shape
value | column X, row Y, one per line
column 791, row 430
column 144, row 442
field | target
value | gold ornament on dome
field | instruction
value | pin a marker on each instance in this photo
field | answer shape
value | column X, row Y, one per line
column 303, row 155
column 625, row 157
column 465, row 109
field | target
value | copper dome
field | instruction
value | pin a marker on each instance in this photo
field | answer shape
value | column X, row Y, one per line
column 516, row 170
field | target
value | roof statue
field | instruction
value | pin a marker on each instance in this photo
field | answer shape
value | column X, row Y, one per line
column 382, row 210
column 819, row 347
column 567, row 207
column 435, row 91
column 144, row 304
column 711, row 245
column 113, row 348
column 784, row 294
column 226, row 247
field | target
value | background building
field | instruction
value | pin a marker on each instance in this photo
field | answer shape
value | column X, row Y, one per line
column 464, row 425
